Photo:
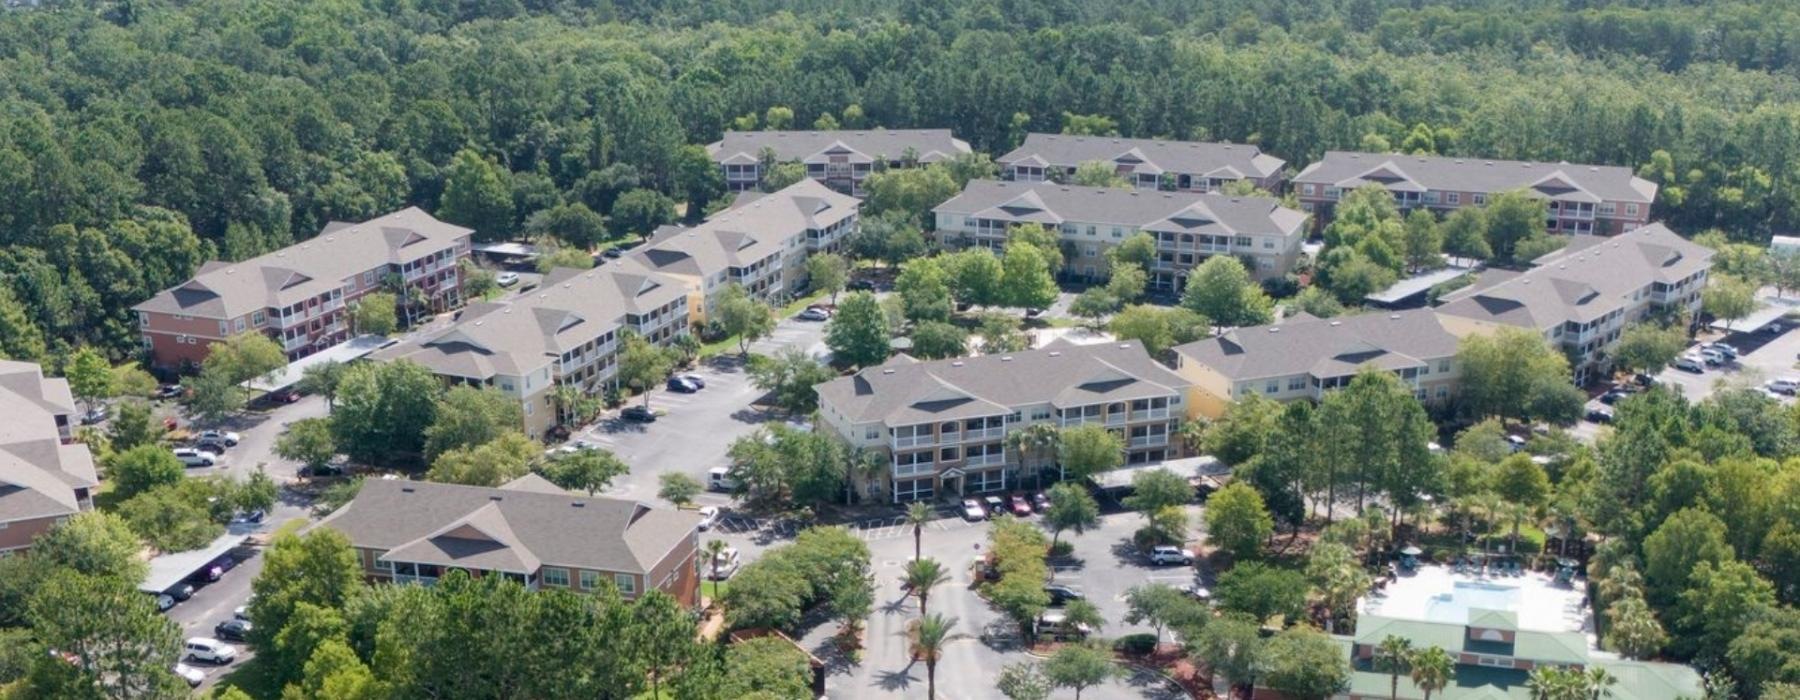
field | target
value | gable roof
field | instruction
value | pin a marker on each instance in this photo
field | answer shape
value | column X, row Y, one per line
column 905, row 391
column 1584, row 281
column 38, row 473
column 306, row 269
column 1152, row 156
column 1305, row 344
column 752, row 228
column 1559, row 181
column 518, row 334
column 508, row 529
column 1176, row 212
column 860, row 146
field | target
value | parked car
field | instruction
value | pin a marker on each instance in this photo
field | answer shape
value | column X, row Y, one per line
column 287, row 395
column 723, row 565
column 994, row 505
column 1690, row 363
column 94, row 415
column 1515, row 442
column 814, row 313
column 1040, row 502
column 1164, row 555
column 1713, row 358
column 171, row 391
column 638, row 414
column 1728, row 351
column 233, row 630
column 1061, row 594
column 971, row 509
column 241, row 612
column 709, row 516
column 506, row 279
column 1055, row 625
column 1616, row 395
column 861, row 285
column 180, row 592
column 680, row 385
column 719, row 479
column 195, row 458
column 1599, row 415
column 223, row 437
column 193, row 676
column 1196, row 591
column 164, row 601
column 210, row 650
column 695, row 380
column 614, row 253
column 1786, row 387
column 1020, row 506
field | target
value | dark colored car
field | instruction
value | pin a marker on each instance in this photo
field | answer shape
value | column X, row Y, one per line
column 181, row 592
column 171, row 391
column 638, row 414
column 1040, row 502
column 694, row 379
column 860, row 286
column 681, row 386
column 1061, row 594
column 289, row 395
column 233, row 630
column 1598, row 415
column 614, row 253
column 1614, row 396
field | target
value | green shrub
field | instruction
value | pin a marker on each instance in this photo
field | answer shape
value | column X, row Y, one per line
column 1139, row 644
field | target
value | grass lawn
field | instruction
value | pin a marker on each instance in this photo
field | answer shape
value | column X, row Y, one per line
column 256, row 677
column 714, row 589
column 730, row 344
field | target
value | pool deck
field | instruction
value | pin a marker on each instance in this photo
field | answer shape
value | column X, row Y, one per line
column 1541, row 604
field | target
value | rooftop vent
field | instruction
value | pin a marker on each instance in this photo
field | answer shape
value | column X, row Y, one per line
column 1006, row 358
column 957, row 363
column 1337, row 323
column 494, row 497
column 1056, row 353
column 887, row 371
column 578, row 504
column 406, row 489
column 1393, row 317
column 1274, row 329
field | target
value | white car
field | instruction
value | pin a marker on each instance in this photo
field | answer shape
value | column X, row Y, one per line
column 972, row 510
column 1164, row 555
column 219, row 437
column 195, row 458
column 1786, row 387
column 1690, row 363
column 1723, row 349
column 193, row 676
column 506, row 279
column 724, row 565
column 210, row 650
column 709, row 516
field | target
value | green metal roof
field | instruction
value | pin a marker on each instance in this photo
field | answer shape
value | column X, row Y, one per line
column 1493, row 619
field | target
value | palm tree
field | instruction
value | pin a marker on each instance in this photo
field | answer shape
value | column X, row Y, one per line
column 713, row 549
column 921, row 576
column 929, row 637
column 917, row 514
column 1600, row 683
column 1391, row 655
column 1032, row 443
column 1432, row 669
column 1543, row 682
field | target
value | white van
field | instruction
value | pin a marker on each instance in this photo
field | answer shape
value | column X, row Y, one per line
column 719, row 479
column 210, row 650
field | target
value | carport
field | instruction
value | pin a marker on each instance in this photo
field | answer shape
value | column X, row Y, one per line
column 1772, row 310
column 169, row 570
column 352, row 349
column 1198, row 470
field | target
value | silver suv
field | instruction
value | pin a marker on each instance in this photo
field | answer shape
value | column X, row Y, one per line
column 1164, row 555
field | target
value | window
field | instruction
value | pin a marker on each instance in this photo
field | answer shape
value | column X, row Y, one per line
column 1478, row 198
column 589, row 579
column 1118, row 232
column 1242, row 241
column 528, row 407
column 1331, row 193
column 381, row 565
column 1273, row 386
column 1631, row 210
column 144, row 320
column 1443, row 366
column 1040, row 414
column 224, row 327
column 1296, row 383
column 1452, row 197
column 949, row 454
column 1608, row 208
column 872, row 434
column 1092, row 251
column 556, row 576
column 1268, row 244
column 258, row 318
column 626, row 582
column 1443, row 391
column 238, row 325
column 1090, row 231
column 1307, row 189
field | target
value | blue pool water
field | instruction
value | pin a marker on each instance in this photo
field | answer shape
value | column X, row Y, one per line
column 1455, row 605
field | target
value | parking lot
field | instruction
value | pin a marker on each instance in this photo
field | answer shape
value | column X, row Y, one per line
column 1763, row 357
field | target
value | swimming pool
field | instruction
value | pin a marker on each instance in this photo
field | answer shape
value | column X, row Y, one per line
column 1455, row 605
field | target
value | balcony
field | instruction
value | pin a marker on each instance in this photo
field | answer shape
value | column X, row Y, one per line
column 292, row 344
column 984, row 434
column 985, row 460
column 911, row 470
column 1150, row 441
column 1115, row 419
column 900, row 443
column 1151, row 414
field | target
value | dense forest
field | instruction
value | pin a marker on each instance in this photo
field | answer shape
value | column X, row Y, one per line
column 139, row 138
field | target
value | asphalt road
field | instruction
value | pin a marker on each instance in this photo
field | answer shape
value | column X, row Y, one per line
column 1765, row 356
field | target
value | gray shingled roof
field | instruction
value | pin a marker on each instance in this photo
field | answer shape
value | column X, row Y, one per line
column 306, row 269
column 744, row 147
column 1333, row 347
column 749, row 230
column 38, row 474
column 517, row 334
column 905, row 391
column 1588, row 279
column 1221, row 160
column 1179, row 212
column 509, row 529
column 1561, row 181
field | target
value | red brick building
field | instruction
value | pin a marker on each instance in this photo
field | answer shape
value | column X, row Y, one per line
column 300, row 295
column 45, row 476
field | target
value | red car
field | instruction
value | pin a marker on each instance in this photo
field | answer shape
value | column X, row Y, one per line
column 1020, row 506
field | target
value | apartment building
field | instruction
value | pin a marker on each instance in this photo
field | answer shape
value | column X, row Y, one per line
column 759, row 243
column 1582, row 199
column 1189, row 227
column 299, row 295
column 838, row 159
column 564, row 333
column 45, row 476
column 530, row 531
column 1582, row 297
column 1184, row 166
column 1304, row 356
column 943, row 424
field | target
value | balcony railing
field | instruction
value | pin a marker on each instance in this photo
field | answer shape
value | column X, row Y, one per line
column 984, row 434
column 900, row 443
column 1115, row 418
column 986, row 460
column 1150, row 414
column 1150, row 441
column 1074, row 421
column 915, row 469
column 294, row 343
